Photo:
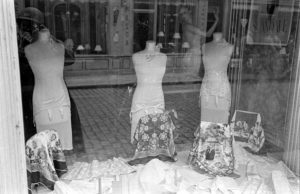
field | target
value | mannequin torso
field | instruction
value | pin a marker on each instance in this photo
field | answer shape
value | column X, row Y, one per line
column 51, row 103
column 150, row 66
column 215, row 89
column 46, row 59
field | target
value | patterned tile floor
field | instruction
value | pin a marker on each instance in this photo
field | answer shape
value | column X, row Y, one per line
column 104, row 115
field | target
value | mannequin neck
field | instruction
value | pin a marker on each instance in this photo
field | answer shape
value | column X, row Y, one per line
column 44, row 36
column 150, row 46
column 218, row 37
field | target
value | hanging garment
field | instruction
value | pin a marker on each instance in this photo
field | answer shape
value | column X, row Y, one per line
column 45, row 159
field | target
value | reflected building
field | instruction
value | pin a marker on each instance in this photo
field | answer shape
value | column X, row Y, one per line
column 121, row 28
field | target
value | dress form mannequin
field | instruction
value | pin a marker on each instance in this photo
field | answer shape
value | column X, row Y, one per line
column 215, row 94
column 150, row 67
column 51, row 103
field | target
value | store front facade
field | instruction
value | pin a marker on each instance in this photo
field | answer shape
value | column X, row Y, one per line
column 264, row 70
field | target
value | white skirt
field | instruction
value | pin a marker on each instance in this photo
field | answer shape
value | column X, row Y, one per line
column 58, row 119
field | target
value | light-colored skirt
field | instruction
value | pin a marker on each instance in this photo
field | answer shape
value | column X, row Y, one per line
column 215, row 108
column 58, row 119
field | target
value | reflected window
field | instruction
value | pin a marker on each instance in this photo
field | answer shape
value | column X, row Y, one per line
column 143, row 29
column 82, row 22
column 144, row 23
column 60, row 15
column 144, row 4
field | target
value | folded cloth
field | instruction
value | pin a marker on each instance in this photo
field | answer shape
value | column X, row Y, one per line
column 158, row 177
column 280, row 182
column 45, row 159
column 111, row 167
column 62, row 188
column 226, row 185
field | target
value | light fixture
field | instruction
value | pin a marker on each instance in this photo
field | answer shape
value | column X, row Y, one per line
column 159, row 45
column 186, row 45
column 80, row 48
column 161, row 34
column 176, row 35
column 98, row 48
column 171, row 44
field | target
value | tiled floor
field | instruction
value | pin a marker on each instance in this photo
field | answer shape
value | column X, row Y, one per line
column 104, row 115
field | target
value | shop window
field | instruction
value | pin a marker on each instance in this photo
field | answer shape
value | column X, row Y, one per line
column 143, row 29
column 144, row 4
column 249, row 67
column 144, row 23
column 82, row 22
column 168, row 26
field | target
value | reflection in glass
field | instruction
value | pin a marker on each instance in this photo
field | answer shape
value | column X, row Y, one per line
column 256, row 75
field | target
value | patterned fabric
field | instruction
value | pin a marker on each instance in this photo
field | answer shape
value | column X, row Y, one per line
column 212, row 149
column 45, row 159
column 247, row 128
column 154, row 138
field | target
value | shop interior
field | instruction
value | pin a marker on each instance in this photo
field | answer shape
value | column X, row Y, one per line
column 160, row 96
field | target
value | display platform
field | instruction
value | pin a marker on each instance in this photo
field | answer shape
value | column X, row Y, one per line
column 255, row 174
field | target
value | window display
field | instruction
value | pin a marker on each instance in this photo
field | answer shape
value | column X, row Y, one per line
column 125, row 62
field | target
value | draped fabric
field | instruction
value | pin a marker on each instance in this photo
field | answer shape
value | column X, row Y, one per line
column 247, row 128
column 154, row 138
column 45, row 159
column 212, row 150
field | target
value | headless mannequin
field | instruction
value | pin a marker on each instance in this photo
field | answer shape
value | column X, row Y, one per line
column 215, row 94
column 51, row 103
column 148, row 98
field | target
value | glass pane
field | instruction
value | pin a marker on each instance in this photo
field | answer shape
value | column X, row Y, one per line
column 76, row 31
column 126, row 62
column 143, row 29
column 61, row 31
column 144, row 4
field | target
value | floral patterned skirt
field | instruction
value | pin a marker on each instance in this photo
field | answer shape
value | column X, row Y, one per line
column 154, row 138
